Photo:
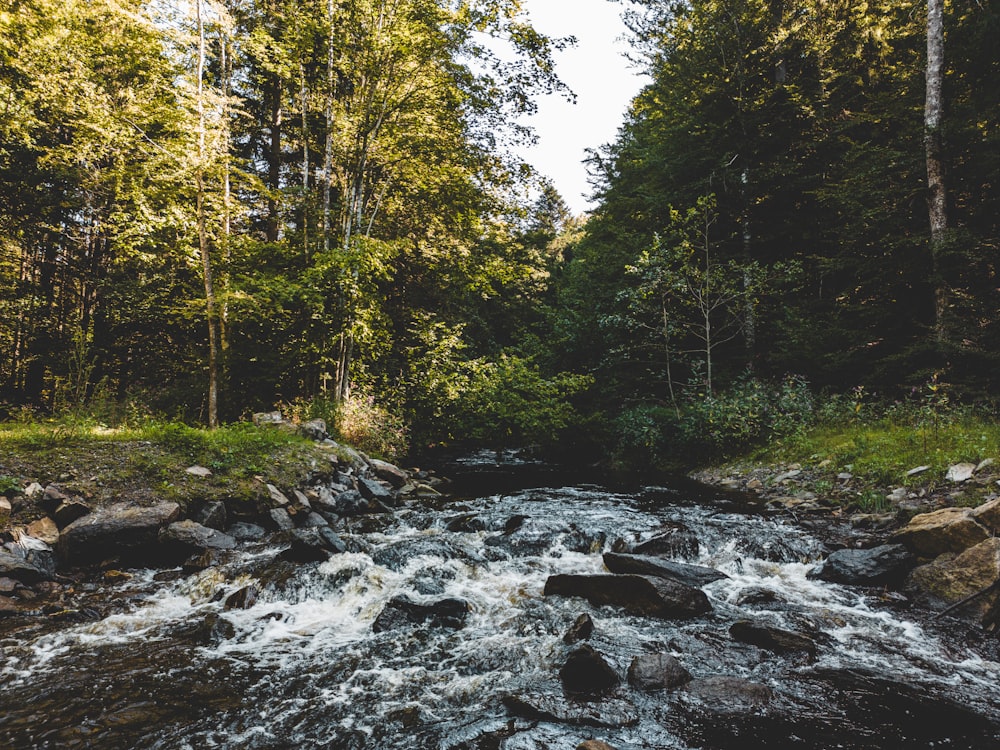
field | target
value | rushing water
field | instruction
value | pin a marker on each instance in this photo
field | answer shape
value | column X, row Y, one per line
column 169, row 667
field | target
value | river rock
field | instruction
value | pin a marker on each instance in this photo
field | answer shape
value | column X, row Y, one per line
column 213, row 515
column 402, row 611
column 389, row 472
column 277, row 496
column 690, row 575
column 672, row 540
column 988, row 515
column 772, row 639
column 52, row 498
column 397, row 555
column 242, row 531
column 885, row 565
column 69, row 511
column 586, row 672
column 313, row 544
column 182, row 539
column 610, row 712
column 244, row 598
column 657, row 672
column 580, row 630
column 281, row 519
column 21, row 569
column 951, row 578
column 594, row 745
column 44, row 529
column 756, row 595
column 117, row 530
column 375, row 491
column 638, row 595
column 728, row 695
column 945, row 530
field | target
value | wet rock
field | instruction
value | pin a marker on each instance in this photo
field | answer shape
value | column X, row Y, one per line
column 951, row 578
column 245, row 598
column 70, row 510
column 657, row 672
column 753, row 595
column 246, row 532
column 639, row 595
column 588, row 673
column 210, row 631
column 514, row 523
column 388, row 472
column 402, row 611
column 117, row 530
column 673, row 540
column 374, row 491
column 580, row 630
column 281, row 519
column 21, row 569
column 313, row 544
column 728, row 695
column 772, row 639
column 213, row 515
column 691, row 575
column 465, row 523
column 772, row 549
column 184, row 538
column 314, row 519
column 885, row 565
column 594, row 745
column 396, row 555
column 610, row 712
column 209, row 558
column 945, row 530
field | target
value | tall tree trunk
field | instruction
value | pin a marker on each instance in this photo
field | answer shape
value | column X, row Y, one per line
column 303, row 96
column 274, row 162
column 328, row 149
column 937, row 197
column 227, row 189
column 203, row 248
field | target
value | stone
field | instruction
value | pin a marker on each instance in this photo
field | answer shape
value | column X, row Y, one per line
column 594, row 745
column 586, row 672
column 691, row 575
column 609, row 712
column 951, row 578
column 198, row 471
column 988, row 515
column 672, row 540
column 772, row 639
column 120, row 530
column 246, row 532
column 245, row 598
column 389, row 472
column 374, row 491
column 34, row 491
column 986, row 462
column 728, row 695
column 21, row 569
column 756, row 595
column 917, row 470
column 314, row 429
column 5, row 509
column 185, row 538
column 755, row 485
column 302, row 499
column 213, row 514
column 580, row 630
column 787, row 475
column 960, row 472
column 314, row 519
column 281, row 519
column 657, row 672
column 72, row 509
column 267, row 417
column 885, row 565
column 638, row 595
column 401, row 611
column 945, row 530
column 845, row 476
column 277, row 496
column 52, row 498
column 313, row 544
column 44, row 529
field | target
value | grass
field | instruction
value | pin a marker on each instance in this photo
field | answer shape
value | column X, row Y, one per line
column 148, row 460
column 881, row 451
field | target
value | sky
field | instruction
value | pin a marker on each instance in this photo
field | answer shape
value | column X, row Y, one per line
column 604, row 83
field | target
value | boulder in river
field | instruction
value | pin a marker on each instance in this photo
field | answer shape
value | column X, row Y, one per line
column 728, row 695
column 580, row 630
column 772, row 639
column 972, row 575
column 671, row 540
column 587, row 673
column 401, row 611
column 313, row 544
column 945, row 530
column 610, row 712
column 375, row 492
column 638, row 595
column 120, row 530
column 885, row 565
column 657, row 672
column 182, row 539
column 388, row 472
column 690, row 575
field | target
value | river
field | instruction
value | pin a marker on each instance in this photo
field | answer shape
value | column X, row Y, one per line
column 166, row 665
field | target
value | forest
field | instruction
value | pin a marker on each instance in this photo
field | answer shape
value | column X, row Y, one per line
column 210, row 208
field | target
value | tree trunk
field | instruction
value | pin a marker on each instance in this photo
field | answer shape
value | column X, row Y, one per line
column 937, row 197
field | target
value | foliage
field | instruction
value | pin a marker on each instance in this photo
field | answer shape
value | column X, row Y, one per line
column 374, row 429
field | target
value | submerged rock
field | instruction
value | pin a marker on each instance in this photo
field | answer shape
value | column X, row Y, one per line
column 657, row 672
column 611, row 712
column 885, row 565
column 586, row 672
column 580, row 630
column 672, row 540
column 313, row 544
column 639, row 595
column 690, row 575
column 402, row 611
column 728, row 695
column 772, row 639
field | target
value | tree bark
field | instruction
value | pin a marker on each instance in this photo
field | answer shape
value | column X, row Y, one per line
column 937, row 196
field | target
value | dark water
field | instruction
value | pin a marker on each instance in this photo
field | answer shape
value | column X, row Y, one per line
column 167, row 666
